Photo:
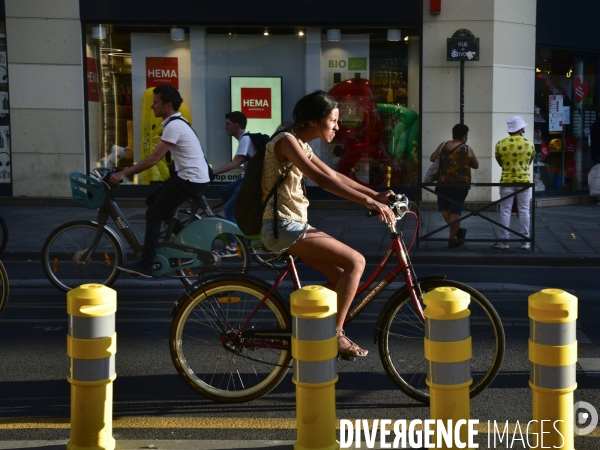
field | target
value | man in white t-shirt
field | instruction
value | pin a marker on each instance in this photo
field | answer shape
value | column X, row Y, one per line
column 235, row 124
column 189, row 180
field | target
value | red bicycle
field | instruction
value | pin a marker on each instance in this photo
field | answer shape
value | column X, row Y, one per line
column 230, row 335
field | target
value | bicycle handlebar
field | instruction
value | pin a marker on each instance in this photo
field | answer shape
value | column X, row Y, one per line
column 398, row 203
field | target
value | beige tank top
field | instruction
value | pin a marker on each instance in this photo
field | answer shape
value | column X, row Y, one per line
column 292, row 203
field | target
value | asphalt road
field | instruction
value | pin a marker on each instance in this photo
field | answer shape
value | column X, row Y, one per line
column 151, row 400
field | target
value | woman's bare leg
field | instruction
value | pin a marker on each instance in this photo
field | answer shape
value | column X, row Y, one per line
column 340, row 264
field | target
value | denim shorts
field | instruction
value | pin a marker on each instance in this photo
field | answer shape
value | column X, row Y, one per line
column 289, row 232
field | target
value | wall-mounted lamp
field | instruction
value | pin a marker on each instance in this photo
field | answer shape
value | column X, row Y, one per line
column 333, row 34
column 300, row 33
column 177, row 34
column 405, row 38
column 99, row 32
column 393, row 35
column 266, row 32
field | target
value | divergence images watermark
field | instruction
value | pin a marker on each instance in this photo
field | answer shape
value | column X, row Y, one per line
column 437, row 433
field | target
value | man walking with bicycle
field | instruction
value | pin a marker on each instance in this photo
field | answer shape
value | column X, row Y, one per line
column 191, row 175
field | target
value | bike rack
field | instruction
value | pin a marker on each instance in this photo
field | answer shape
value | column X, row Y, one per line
column 477, row 211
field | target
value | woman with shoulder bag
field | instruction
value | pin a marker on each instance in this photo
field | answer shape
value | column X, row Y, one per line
column 315, row 117
column 456, row 161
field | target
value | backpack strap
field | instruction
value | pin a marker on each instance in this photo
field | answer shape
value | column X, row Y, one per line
column 274, row 192
column 211, row 175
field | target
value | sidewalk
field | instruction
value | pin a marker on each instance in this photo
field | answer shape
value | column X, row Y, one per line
column 564, row 235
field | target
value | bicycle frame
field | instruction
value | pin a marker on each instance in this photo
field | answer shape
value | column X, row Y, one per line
column 396, row 246
column 110, row 209
column 189, row 244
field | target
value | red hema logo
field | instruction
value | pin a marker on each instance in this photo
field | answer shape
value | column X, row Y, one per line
column 256, row 103
column 162, row 70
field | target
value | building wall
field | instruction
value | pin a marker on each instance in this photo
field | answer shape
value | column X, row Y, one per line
column 46, row 95
column 499, row 85
column 45, row 49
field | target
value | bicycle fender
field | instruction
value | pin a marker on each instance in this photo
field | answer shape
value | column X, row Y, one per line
column 200, row 284
column 401, row 291
column 201, row 233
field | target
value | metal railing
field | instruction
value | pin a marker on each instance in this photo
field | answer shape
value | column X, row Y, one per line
column 475, row 211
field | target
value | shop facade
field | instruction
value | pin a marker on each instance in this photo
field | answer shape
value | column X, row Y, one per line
column 82, row 74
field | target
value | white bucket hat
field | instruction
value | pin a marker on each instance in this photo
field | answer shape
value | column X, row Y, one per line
column 515, row 123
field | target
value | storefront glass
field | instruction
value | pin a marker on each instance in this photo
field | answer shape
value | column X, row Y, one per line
column 565, row 94
column 374, row 73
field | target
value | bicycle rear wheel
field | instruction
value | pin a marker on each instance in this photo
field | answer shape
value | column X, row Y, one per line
column 3, row 288
column 63, row 261
column 401, row 347
column 3, row 234
column 230, row 370
column 238, row 262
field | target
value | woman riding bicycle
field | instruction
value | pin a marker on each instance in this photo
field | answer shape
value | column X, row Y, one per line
column 315, row 117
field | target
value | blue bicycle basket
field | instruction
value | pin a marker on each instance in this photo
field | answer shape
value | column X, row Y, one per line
column 86, row 190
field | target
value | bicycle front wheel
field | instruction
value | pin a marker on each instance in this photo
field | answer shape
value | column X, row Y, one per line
column 63, row 257
column 209, row 357
column 238, row 262
column 3, row 288
column 401, row 346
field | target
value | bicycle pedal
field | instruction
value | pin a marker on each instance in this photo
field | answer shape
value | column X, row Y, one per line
column 346, row 357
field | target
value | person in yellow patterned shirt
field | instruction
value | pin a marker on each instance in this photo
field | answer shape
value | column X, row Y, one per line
column 514, row 154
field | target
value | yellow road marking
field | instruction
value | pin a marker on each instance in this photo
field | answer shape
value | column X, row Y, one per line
column 213, row 423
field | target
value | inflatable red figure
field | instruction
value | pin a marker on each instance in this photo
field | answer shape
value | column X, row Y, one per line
column 364, row 158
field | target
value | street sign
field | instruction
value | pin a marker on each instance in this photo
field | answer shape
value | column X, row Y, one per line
column 464, row 48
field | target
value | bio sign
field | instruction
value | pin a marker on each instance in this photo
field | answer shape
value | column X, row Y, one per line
column 464, row 48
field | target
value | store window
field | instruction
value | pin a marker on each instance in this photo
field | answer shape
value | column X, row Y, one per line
column 374, row 74
column 565, row 93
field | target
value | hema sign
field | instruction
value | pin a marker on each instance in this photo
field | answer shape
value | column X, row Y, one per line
column 259, row 98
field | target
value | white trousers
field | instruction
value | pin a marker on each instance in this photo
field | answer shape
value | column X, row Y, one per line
column 523, row 200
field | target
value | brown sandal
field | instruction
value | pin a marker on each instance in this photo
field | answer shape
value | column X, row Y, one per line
column 347, row 347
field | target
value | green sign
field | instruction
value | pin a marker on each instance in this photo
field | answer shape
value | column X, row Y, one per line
column 357, row 63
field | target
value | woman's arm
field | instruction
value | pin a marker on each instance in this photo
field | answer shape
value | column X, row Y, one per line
column 288, row 148
column 435, row 154
column 474, row 162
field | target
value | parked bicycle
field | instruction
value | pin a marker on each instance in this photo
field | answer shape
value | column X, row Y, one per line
column 3, row 275
column 91, row 251
column 230, row 336
column 3, row 234
column 3, row 288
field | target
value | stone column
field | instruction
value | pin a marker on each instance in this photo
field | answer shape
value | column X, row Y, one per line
column 44, row 52
column 499, row 85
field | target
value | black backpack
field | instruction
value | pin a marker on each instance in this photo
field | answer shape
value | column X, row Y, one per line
column 249, row 206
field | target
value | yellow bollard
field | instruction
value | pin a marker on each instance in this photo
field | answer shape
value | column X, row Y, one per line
column 91, row 344
column 314, row 349
column 552, row 362
column 448, row 353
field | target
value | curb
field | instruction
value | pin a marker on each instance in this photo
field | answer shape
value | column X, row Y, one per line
column 461, row 258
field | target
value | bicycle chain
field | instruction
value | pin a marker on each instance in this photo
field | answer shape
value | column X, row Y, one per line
column 257, row 360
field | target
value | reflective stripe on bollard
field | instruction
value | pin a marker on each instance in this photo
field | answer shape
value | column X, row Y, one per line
column 91, row 345
column 314, row 349
column 552, row 364
column 448, row 352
